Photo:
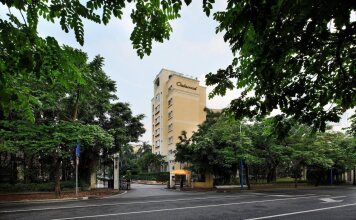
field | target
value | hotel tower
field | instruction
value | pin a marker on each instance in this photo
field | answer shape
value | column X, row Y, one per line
column 178, row 105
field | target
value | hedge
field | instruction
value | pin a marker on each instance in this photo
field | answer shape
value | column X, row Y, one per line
column 37, row 187
column 162, row 176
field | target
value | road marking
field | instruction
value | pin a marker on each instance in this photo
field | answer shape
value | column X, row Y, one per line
column 183, row 208
column 301, row 212
column 332, row 199
column 121, row 203
column 282, row 195
column 141, row 202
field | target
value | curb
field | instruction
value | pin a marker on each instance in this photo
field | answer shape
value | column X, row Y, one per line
column 115, row 194
column 46, row 200
column 60, row 200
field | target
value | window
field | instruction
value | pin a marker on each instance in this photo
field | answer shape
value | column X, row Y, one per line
column 170, row 127
column 158, row 143
column 158, row 120
column 198, row 178
column 157, row 108
column 170, row 114
column 157, row 82
column 170, row 101
column 157, row 132
column 170, row 140
column 170, row 87
column 157, row 98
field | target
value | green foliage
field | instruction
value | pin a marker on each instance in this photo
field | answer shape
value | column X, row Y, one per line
column 216, row 147
column 352, row 129
column 55, row 138
column 124, row 127
column 151, row 18
column 127, row 159
column 151, row 162
column 270, row 148
column 161, row 176
column 24, row 55
column 38, row 187
column 69, row 110
column 296, row 56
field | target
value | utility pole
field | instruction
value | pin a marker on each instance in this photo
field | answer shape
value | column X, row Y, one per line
column 241, row 164
column 241, row 174
column 116, row 171
column 77, row 153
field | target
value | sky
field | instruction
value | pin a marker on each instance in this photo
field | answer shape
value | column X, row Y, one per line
column 193, row 49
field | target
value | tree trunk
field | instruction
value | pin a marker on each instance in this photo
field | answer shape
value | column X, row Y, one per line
column 271, row 175
column 354, row 182
column 76, row 106
column 247, row 177
column 14, row 169
column 295, row 182
column 296, row 175
column 64, row 171
column 57, row 177
column 104, row 174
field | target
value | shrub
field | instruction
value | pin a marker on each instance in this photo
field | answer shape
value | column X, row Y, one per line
column 38, row 187
column 161, row 176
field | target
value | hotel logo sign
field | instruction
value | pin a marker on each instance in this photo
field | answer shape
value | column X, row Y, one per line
column 186, row 86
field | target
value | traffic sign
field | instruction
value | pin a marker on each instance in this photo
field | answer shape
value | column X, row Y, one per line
column 77, row 150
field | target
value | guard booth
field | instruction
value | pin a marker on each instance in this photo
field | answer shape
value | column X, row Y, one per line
column 180, row 178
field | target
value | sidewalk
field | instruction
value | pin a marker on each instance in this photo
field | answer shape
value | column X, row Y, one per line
column 50, row 196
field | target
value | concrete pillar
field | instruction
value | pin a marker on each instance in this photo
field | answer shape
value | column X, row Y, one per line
column 172, row 181
column 20, row 172
column 304, row 173
column 188, row 178
column 93, row 178
column 116, row 172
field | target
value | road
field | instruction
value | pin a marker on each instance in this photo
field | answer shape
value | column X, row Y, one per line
column 155, row 202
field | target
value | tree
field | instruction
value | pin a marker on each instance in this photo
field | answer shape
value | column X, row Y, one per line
column 144, row 149
column 142, row 158
column 267, row 147
column 74, row 107
column 341, row 149
column 303, row 150
column 151, row 18
column 352, row 131
column 123, row 126
column 216, row 149
column 295, row 56
column 57, row 140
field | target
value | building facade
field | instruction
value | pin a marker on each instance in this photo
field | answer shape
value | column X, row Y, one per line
column 178, row 105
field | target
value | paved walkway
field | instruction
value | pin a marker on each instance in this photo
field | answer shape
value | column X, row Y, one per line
column 142, row 190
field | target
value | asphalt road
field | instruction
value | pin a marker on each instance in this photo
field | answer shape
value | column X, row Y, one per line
column 155, row 202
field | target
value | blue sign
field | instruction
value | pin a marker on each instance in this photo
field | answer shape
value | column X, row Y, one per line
column 77, row 150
